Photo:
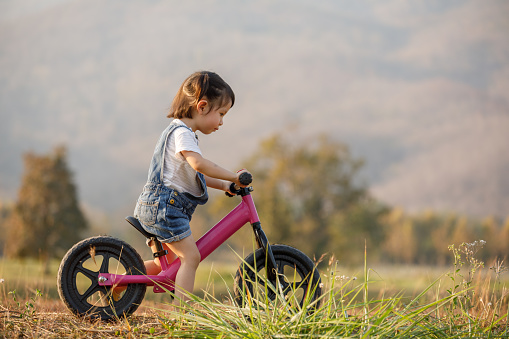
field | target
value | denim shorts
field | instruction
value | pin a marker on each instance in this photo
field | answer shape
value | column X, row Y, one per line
column 164, row 212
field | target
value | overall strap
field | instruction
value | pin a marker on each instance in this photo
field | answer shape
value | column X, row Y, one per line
column 155, row 173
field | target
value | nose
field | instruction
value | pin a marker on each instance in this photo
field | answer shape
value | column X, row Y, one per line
column 221, row 121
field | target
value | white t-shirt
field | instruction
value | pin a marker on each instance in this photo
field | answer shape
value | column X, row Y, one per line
column 177, row 173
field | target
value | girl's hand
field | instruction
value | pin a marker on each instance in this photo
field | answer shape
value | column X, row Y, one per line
column 237, row 182
column 226, row 187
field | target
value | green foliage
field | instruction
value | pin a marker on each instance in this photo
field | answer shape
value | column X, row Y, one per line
column 309, row 196
column 28, row 308
column 424, row 238
column 354, row 227
column 302, row 188
column 46, row 219
column 20, row 316
column 5, row 212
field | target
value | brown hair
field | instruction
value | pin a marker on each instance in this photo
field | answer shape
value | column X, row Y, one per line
column 197, row 86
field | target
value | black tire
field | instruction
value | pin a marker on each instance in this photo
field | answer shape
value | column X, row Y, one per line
column 298, row 277
column 79, row 270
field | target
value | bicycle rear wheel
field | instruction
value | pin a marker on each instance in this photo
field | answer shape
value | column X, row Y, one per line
column 78, row 284
column 298, row 279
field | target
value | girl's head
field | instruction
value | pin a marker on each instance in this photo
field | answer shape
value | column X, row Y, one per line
column 199, row 86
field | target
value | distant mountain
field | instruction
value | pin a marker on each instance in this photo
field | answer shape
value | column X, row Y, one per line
column 420, row 90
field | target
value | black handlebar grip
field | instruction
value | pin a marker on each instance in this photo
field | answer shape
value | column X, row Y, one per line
column 233, row 188
column 245, row 178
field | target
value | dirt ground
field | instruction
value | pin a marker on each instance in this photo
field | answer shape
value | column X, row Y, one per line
column 50, row 319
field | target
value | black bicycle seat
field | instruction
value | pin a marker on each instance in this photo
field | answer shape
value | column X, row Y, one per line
column 136, row 224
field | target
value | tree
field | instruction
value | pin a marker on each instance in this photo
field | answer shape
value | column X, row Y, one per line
column 400, row 243
column 46, row 219
column 489, row 232
column 300, row 189
column 356, row 228
column 5, row 211
column 503, row 240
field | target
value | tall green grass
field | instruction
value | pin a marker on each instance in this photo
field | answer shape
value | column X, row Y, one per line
column 461, row 303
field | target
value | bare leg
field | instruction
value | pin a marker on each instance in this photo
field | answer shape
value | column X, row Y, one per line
column 153, row 267
column 190, row 258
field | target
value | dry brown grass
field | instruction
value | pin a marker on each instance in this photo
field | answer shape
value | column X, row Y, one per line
column 50, row 319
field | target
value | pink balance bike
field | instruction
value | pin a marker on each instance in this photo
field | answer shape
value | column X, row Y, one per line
column 92, row 267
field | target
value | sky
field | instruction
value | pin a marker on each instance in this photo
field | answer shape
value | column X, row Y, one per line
column 418, row 89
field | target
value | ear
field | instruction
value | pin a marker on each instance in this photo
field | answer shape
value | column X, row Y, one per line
column 202, row 106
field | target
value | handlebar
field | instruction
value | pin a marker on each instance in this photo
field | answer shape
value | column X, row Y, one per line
column 245, row 178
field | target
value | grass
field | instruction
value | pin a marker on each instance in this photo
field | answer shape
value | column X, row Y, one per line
column 467, row 300
column 25, row 276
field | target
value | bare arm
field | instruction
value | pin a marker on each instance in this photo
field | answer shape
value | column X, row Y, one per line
column 213, row 173
column 217, row 183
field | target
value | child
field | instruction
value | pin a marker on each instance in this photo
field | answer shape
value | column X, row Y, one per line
column 179, row 174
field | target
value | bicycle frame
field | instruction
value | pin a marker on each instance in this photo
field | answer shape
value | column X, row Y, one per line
column 244, row 212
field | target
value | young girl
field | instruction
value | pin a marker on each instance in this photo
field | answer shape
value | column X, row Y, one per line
column 179, row 175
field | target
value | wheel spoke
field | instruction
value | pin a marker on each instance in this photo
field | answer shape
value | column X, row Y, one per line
column 78, row 283
column 302, row 285
column 257, row 278
column 295, row 274
column 285, row 287
column 105, row 265
column 88, row 273
column 90, row 291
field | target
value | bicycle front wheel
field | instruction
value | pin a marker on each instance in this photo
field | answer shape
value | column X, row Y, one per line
column 78, row 284
column 298, row 279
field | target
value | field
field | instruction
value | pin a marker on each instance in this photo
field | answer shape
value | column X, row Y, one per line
column 384, row 301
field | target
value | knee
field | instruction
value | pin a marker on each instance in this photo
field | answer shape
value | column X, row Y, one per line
column 191, row 258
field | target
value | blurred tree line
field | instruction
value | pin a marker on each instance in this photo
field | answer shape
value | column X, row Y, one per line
column 308, row 194
column 46, row 220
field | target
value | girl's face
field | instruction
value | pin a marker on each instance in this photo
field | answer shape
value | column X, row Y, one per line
column 209, row 119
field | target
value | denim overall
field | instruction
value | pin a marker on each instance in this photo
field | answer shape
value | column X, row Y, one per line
column 161, row 210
